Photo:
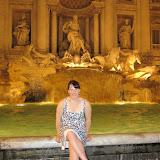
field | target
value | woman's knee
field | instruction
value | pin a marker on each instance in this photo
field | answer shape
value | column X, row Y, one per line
column 71, row 134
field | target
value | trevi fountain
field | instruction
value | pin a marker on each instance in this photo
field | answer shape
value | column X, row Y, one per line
column 99, row 43
column 111, row 47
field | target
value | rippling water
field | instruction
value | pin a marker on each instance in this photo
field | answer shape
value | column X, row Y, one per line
column 39, row 119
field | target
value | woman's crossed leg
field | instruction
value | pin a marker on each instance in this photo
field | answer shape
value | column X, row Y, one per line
column 76, row 147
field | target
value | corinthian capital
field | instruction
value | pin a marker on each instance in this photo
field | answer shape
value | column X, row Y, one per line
column 53, row 9
column 97, row 10
column 97, row 7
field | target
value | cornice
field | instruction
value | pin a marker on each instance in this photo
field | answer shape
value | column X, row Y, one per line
column 97, row 4
column 119, row 2
column 53, row 2
column 20, row 2
column 155, row 13
column 155, row 7
column 125, row 7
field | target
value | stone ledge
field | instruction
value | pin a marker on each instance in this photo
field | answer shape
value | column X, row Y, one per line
column 97, row 140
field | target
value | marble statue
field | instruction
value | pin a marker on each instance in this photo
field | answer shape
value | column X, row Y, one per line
column 128, row 60
column 22, row 32
column 28, row 56
column 46, row 60
column 74, row 37
column 86, row 57
column 77, row 59
column 31, row 56
column 63, row 48
column 143, row 73
column 118, row 60
column 110, row 61
column 67, row 57
column 125, row 35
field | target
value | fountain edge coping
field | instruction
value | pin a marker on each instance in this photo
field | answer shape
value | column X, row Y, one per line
column 97, row 140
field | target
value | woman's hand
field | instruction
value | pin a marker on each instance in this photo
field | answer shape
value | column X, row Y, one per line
column 57, row 139
column 88, row 138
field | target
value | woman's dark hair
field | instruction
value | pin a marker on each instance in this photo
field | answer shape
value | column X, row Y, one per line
column 74, row 83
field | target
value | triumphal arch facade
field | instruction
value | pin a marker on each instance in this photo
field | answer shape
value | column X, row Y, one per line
column 100, row 24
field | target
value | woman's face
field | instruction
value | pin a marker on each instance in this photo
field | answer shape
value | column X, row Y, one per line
column 73, row 92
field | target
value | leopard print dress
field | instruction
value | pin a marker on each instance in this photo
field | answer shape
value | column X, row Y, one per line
column 75, row 122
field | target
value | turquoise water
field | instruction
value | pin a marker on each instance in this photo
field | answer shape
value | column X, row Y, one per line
column 39, row 119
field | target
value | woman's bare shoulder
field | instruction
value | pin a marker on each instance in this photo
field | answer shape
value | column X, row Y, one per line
column 83, row 99
column 61, row 103
column 87, row 103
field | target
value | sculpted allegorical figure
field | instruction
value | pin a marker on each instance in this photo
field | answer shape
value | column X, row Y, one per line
column 74, row 37
column 130, row 58
column 31, row 56
column 125, row 35
column 110, row 61
column 22, row 32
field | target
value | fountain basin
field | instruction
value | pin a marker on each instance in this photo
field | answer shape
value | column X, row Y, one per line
column 102, row 147
column 97, row 140
column 109, row 142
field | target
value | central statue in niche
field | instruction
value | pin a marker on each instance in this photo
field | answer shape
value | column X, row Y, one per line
column 74, row 37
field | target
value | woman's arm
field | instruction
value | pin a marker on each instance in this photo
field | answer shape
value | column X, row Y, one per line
column 59, row 113
column 88, row 111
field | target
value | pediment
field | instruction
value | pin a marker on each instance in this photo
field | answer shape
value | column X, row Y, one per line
column 156, row 21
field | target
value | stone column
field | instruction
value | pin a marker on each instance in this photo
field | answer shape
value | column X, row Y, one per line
column 60, row 30
column 41, row 26
column 138, row 27
column 102, row 32
column 48, row 29
column 54, row 32
column 33, row 24
column 108, row 23
column 87, row 30
column 144, row 26
column 96, row 33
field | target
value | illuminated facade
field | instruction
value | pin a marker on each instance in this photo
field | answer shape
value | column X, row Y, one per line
column 99, row 21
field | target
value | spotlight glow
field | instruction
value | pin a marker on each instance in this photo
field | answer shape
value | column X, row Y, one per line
column 20, row 105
